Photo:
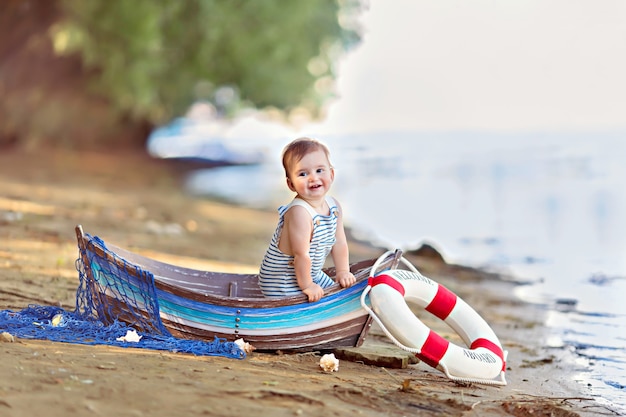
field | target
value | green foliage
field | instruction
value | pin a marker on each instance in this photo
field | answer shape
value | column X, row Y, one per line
column 152, row 58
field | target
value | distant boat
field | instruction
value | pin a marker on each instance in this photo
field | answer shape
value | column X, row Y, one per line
column 198, row 143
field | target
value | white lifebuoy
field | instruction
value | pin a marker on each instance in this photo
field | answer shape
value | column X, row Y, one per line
column 391, row 294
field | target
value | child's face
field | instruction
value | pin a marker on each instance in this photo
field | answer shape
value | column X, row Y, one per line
column 312, row 176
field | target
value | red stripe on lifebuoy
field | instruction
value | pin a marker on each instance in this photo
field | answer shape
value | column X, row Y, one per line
column 386, row 279
column 433, row 349
column 442, row 305
column 490, row 346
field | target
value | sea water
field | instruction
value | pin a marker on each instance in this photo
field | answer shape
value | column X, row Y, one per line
column 548, row 209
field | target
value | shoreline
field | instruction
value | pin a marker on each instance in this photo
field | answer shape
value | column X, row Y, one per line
column 133, row 202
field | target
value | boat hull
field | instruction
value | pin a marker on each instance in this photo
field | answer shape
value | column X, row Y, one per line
column 202, row 305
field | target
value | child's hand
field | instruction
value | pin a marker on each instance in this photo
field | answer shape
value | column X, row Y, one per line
column 345, row 279
column 314, row 292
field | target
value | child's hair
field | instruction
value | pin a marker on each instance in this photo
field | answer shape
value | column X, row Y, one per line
column 298, row 148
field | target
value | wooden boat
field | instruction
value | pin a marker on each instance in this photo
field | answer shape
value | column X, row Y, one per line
column 154, row 296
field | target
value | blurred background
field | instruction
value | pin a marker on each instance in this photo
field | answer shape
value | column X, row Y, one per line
column 493, row 130
column 84, row 73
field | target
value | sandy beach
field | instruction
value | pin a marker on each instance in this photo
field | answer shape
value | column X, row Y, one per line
column 136, row 203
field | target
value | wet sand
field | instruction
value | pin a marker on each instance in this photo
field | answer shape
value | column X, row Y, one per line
column 136, row 203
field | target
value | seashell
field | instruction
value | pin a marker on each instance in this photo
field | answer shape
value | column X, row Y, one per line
column 7, row 337
column 329, row 363
column 56, row 320
column 131, row 336
column 245, row 346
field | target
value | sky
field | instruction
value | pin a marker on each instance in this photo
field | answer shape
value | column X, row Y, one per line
column 450, row 65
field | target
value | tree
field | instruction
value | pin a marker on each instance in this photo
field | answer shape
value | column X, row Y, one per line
column 153, row 56
column 105, row 71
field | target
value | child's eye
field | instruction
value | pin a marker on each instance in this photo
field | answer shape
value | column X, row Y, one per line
column 320, row 170
column 301, row 174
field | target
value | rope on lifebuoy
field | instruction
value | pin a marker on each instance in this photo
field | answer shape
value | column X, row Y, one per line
column 484, row 356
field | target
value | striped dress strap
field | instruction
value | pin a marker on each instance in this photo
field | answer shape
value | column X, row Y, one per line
column 332, row 206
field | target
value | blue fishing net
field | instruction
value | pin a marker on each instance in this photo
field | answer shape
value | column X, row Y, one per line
column 130, row 305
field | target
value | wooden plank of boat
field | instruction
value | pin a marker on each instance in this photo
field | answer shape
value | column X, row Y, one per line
column 195, row 304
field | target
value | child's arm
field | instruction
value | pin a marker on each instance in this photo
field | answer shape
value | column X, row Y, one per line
column 340, row 254
column 298, row 229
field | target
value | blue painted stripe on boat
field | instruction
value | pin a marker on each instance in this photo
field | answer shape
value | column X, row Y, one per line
column 275, row 318
column 276, row 321
column 330, row 307
column 115, row 283
column 251, row 312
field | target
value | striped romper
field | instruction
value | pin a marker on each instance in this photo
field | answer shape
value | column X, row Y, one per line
column 277, row 277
